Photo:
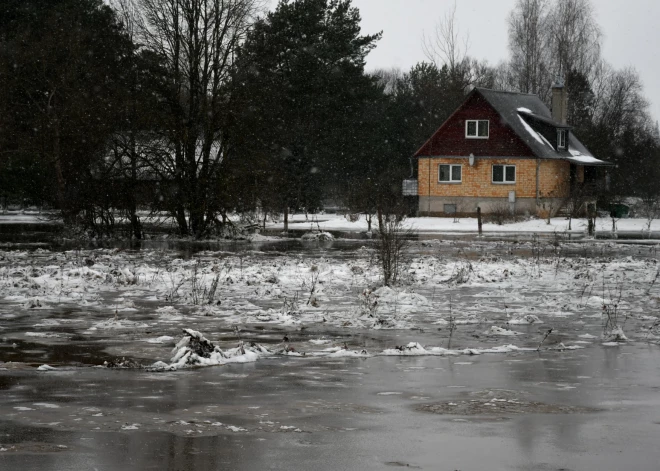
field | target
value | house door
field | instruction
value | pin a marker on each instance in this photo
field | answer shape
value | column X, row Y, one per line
column 573, row 180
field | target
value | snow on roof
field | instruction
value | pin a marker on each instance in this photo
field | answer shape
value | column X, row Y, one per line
column 575, row 152
column 529, row 118
column 523, row 112
column 585, row 159
column 531, row 131
column 579, row 158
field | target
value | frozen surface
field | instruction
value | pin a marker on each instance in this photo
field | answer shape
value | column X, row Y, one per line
column 479, row 347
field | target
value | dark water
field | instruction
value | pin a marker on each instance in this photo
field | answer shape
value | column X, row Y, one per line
column 349, row 414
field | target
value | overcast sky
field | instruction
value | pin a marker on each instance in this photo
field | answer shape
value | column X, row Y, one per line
column 631, row 31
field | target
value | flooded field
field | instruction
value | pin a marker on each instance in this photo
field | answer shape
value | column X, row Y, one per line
column 485, row 355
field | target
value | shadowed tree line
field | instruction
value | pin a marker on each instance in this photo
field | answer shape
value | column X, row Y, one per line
column 202, row 108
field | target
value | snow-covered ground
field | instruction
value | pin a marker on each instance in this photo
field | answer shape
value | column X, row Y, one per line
column 28, row 217
column 495, row 298
column 430, row 225
column 425, row 225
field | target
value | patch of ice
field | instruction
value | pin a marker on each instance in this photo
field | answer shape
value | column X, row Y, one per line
column 526, row 319
column 387, row 295
column 598, row 301
column 48, row 323
column 344, row 353
column 42, row 334
column 162, row 339
column 46, row 368
column 469, row 320
column 495, row 330
column 587, row 336
column 233, row 428
column 120, row 324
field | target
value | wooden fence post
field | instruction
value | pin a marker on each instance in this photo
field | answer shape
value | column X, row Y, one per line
column 479, row 219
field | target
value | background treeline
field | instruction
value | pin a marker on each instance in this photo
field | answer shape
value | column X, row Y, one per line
column 202, row 108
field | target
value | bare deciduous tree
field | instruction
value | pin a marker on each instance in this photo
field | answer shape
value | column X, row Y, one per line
column 575, row 37
column 529, row 36
column 620, row 103
column 392, row 241
column 445, row 45
column 196, row 41
column 551, row 38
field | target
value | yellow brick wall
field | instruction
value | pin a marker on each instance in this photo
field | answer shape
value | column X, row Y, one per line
column 477, row 180
column 555, row 178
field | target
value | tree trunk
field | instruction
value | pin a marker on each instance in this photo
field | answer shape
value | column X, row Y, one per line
column 136, row 227
column 67, row 216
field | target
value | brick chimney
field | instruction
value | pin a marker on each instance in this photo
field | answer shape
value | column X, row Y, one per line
column 559, row 102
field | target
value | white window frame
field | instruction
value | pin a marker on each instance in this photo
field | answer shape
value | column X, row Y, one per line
column 477, row 121
column 504, row 180
column 451, row 173
column 562, row 133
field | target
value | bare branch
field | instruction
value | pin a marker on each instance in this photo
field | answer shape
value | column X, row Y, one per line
column 445, row 46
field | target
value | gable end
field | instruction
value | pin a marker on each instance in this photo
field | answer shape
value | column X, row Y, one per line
column 451, row 139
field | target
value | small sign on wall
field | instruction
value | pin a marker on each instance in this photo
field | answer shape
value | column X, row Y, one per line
column 512, row 197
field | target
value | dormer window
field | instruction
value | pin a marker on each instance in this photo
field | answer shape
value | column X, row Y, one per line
column 476, row 129
column 562, row 139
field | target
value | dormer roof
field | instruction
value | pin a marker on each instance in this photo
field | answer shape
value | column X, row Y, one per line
column 526, row 114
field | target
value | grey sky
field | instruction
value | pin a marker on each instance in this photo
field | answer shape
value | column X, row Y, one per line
column 631, row 31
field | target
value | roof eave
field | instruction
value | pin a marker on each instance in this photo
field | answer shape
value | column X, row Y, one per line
column 599, row 163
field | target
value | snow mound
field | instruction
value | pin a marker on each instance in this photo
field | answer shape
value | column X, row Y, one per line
column 194, row 349
column 416, row 349
column 340, row 352
column 32, row 303
column 317, row 236
column 615, row 335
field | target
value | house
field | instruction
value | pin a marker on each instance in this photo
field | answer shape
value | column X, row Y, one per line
column 504, row 151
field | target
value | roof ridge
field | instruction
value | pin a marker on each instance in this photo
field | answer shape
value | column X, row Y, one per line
column 505, row 91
